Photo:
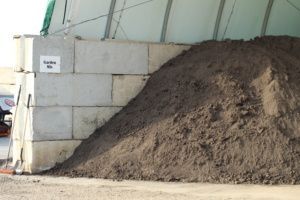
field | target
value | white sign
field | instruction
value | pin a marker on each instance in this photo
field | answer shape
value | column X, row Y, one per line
column 50, row 64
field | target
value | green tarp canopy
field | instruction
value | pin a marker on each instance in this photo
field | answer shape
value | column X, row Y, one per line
column 48, row 16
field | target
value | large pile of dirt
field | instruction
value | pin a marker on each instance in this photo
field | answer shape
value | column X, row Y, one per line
column 225, row 112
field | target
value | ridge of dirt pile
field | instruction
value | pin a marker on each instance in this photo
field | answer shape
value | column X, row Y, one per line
column 225, row 112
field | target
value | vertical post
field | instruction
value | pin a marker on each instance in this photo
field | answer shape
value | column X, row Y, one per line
column 266, row 19
column 109, row 18
column 74, row 7
column 166, row 20
column 218, row 20
column 65, row 11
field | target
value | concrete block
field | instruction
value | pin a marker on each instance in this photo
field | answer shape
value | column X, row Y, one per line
column 43, row 123
column 20, row 81
column 126, row 87
column 40, row 156
column 19, row 53
column 159, row 54
column 7, row 76
column 92, row 90
column 19, row 128
column 52, row 89
column 87, row 119
column 26, row 82
column 36, row 46
column 66, row 89
column 51, row 123
column 111, row 57
column 16, row 151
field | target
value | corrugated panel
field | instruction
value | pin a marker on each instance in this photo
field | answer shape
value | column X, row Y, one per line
column 192, row 20
column 142, row 23
column 246, row 20
column 284, row 19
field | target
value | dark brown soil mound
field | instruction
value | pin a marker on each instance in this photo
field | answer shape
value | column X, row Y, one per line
column 225, row 112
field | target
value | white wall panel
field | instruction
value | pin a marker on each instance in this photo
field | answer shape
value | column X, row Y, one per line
column 192, row 20
column 58, row 15
column 246, row 21
column 284, row 19
column 94, row 8
column 142, row 23
column 86, row 9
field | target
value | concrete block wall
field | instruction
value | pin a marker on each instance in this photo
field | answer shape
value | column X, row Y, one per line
column 95, row 81
column 42, row 155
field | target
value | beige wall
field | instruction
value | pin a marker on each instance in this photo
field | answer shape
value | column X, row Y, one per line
column 7, row 81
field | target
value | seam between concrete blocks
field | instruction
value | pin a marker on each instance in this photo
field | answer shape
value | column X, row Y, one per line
column 73, row 123
column 112, row 88
column 74, row 54
column 148, row 60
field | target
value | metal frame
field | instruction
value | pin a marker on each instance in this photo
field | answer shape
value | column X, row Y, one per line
column 109, row 18
column 73, row 11
column 218, row 20
column 166, row 20
column 266, row 19
column 65, row 12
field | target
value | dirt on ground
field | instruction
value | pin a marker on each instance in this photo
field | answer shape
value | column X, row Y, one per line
column 222, row 112
column 63, row 188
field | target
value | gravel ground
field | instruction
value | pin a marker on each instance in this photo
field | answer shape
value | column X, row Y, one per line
column 41, row 187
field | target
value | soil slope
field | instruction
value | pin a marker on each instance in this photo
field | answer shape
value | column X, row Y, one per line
column 225, row 112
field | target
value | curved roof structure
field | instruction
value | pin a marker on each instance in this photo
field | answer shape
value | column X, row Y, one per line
column 176, row 21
